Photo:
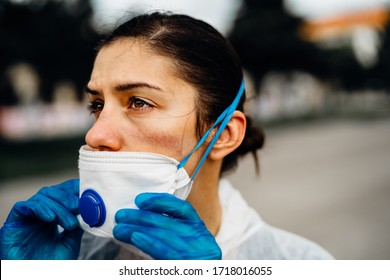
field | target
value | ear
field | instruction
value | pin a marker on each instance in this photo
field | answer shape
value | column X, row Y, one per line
column 231, row 138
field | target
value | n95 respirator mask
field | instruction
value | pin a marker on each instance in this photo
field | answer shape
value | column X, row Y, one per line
column 110, row 181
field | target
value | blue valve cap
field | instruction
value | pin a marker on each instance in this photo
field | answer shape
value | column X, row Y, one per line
column 92, row 208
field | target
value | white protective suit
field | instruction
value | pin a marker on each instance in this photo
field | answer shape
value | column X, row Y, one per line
column 243, row 235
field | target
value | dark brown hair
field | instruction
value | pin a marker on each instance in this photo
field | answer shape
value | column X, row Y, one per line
column 204, row 59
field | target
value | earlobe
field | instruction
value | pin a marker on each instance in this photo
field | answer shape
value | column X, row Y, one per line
column 231, row 138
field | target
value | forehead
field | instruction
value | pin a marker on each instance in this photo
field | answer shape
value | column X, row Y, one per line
column 131, row 60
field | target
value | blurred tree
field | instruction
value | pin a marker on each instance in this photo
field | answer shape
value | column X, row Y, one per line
column 266, row 39
column 54, row 36
column 345, row 70
column 378, row 77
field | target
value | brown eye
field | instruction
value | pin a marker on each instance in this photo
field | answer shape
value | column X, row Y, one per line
column 136, row 103
column 95, row 106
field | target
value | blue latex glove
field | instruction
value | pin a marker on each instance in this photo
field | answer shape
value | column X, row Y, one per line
column 166, row 227
column 31, row 232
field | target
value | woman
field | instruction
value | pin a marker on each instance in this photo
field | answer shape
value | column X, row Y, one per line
column 167, row 89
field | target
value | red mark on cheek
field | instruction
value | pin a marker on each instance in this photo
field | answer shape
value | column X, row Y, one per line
column 173, row 137
column 167, row 142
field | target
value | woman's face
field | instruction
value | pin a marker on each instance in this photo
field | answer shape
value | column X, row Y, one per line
column 139, row 103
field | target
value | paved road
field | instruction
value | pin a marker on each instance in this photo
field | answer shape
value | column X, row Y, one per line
column 328, row 181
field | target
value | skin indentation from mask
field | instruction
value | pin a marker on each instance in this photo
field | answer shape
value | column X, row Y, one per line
column 172, row 134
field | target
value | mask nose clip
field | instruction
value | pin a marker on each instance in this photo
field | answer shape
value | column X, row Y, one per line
column 92, row 208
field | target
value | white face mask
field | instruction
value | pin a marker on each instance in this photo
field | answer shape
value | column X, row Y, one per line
column 110, row 181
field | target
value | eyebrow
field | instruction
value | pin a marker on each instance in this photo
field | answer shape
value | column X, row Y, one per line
column 124, row 87
column 131, row 86
column 90, row 91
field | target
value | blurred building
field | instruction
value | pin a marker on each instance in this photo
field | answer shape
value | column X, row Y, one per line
column 288, row 96
column 360, row 30
column 47, row 53
column 285, row 95
column 32, row 118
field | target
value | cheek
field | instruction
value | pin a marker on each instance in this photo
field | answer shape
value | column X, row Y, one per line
column 165, row 142
column 173, row 138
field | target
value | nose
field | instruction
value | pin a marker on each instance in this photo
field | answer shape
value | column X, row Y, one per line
column 105, row 134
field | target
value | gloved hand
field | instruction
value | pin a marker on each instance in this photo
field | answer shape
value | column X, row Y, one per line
column 31, row 232
column 166, row 227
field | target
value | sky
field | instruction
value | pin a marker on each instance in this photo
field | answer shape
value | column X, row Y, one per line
column 319, row 9
column 221, row 13
column 218, row 13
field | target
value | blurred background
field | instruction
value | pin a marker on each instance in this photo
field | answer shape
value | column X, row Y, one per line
column 317, row 79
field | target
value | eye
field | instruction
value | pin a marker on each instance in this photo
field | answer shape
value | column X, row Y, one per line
column 138, row 104
column 95, row 106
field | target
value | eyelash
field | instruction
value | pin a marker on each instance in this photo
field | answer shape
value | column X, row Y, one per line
column 98, row 105
column 95, row 106
column 133, row 101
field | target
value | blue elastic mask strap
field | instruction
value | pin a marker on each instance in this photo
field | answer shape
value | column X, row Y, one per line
column 224, row 119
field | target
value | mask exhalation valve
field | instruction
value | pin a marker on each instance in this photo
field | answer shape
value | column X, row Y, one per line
column 92, row 208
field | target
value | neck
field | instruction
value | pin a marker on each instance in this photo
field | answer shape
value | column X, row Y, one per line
column 205, row 199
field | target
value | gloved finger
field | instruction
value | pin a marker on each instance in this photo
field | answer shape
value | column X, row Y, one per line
column 168, row 204
column 72, row 186
column 162, row 244
column 125, row 232
column 63, row 197
column 146, row 243
column 154, row 220
column 63, row 216
column 154, row 247
column 25, row 209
